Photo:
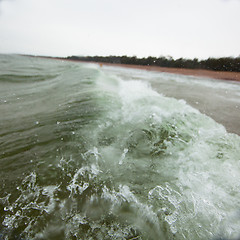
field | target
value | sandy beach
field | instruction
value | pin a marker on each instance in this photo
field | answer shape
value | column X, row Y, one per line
column 233, row 76
column 223, row 75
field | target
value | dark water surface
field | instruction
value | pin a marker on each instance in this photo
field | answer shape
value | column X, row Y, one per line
column 112, row 153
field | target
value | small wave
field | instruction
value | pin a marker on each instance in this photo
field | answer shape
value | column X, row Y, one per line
column 25, row 78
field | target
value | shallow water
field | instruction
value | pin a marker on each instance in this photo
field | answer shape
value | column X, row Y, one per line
column 108, row 153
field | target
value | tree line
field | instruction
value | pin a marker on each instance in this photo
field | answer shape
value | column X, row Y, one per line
column 216, row 64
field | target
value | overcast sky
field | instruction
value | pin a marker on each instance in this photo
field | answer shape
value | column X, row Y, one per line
column 179, row 28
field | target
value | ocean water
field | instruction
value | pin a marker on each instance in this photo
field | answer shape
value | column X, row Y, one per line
column 90, row 152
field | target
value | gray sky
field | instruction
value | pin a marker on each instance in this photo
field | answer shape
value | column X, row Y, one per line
column 179, row 28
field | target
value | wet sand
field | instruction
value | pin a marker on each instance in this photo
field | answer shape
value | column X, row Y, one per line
column 233, row 76
column 222, row 105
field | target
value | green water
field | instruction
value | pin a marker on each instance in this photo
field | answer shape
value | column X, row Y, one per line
column 94, row 153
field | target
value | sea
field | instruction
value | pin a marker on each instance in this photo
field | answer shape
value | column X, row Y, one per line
column 105, row 152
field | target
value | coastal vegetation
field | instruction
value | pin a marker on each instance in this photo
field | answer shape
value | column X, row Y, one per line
column 216, row 64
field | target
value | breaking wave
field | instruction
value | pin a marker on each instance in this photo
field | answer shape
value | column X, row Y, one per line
column 87, row 154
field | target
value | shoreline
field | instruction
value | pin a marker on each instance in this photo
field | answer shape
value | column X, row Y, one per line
column 221, row 75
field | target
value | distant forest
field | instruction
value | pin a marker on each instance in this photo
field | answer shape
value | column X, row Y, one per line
column 216, row 64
